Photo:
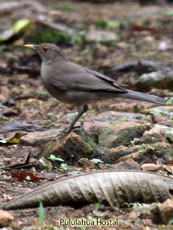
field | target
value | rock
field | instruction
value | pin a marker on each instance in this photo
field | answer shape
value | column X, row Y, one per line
column 144, row 153
column 19, row 127
column 5, row 218
column 132, row 107
column 159, row 133
column 123, row 134
column 164, row 150
column 128, row 164
column 162, row 115
column 142, row 212
column 71, row 149
column 159, row 79
column 100, row 36
column 20, row 152
column 112, row 116
column 151, row 167
column 114, row 129
column 86, row 164
column 163, row 213
column 40, row 137
column 4, row 90
column 123, row 153
column 114, row 154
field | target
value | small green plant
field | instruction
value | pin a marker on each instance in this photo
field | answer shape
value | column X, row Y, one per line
column 90, row 144
column 96, row 161
column 169, row 100
column 110, row 25
column 132, row 206
column 53, row 228
column 54, row 158
column 41, row 214
column 169, row 13
column 63, row 167
column 153, row 139
column 97, row 206
column 158, row 111
column 134, row 141
column 3, row 106
column 170, row 221
column 64, row 7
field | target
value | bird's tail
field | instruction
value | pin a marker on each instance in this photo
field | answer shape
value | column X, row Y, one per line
column 143, row 97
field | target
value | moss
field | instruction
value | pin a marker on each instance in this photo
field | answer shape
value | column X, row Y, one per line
column 103, row 135
column 90, row 144
column 42, row 35
column 110, row 25
column 64, row 7
column 125, row 136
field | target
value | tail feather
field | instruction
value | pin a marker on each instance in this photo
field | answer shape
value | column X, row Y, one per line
column 143, row 97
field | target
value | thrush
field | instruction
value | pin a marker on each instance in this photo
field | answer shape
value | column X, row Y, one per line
column 77, row 85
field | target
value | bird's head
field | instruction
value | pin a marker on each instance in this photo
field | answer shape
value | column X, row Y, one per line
column 48, row 52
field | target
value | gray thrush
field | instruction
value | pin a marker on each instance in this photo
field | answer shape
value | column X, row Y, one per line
column 77, row 85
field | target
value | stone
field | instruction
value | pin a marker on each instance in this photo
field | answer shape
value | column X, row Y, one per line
column 163, row 213
column 142, row 212
column 70, row 149
column 5, row 218
column 159, row 79
column 100, row 36
column 151, row 167
column 158, row 133
column 129, row 164
column 113, row 129
column 39, row 137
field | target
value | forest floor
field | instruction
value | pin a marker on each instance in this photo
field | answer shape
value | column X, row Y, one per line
column 133, row 135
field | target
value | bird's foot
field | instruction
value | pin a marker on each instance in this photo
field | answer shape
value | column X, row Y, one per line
column 63, row 133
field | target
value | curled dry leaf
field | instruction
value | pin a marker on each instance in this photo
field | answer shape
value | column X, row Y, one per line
column 19, row 126
column 23, row 175
column 111, row 187
column 16, row 162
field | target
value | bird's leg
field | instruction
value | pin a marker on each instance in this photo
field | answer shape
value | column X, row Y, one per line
column 81, row 110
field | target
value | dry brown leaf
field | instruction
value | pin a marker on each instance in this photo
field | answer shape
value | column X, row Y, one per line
column 111, row 187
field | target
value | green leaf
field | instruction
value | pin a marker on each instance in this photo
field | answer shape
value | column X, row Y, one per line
column 41, row 214
column 170, row 221
column 169, row 13
column 63, row 166
column 3, row 106
column 17, row 27
column 169, row 101
column 112, row 25
column 96, row 161
column 97, row 206
column 158, row 111
column 21, row 25
column 169, row 132
column 3, row 141
column 54, row 158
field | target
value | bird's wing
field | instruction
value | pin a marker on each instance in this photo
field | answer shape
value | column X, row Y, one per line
column 76, row 78
column 104, row 77
column 58, row 85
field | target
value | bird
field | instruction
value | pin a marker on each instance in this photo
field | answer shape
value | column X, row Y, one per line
column 73, row 84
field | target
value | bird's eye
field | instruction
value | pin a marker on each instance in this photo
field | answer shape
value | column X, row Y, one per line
column 44, row 49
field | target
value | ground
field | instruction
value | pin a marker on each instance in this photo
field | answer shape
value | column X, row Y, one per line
column 123, row 129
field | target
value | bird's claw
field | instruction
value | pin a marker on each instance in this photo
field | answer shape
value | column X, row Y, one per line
column 63, row 133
